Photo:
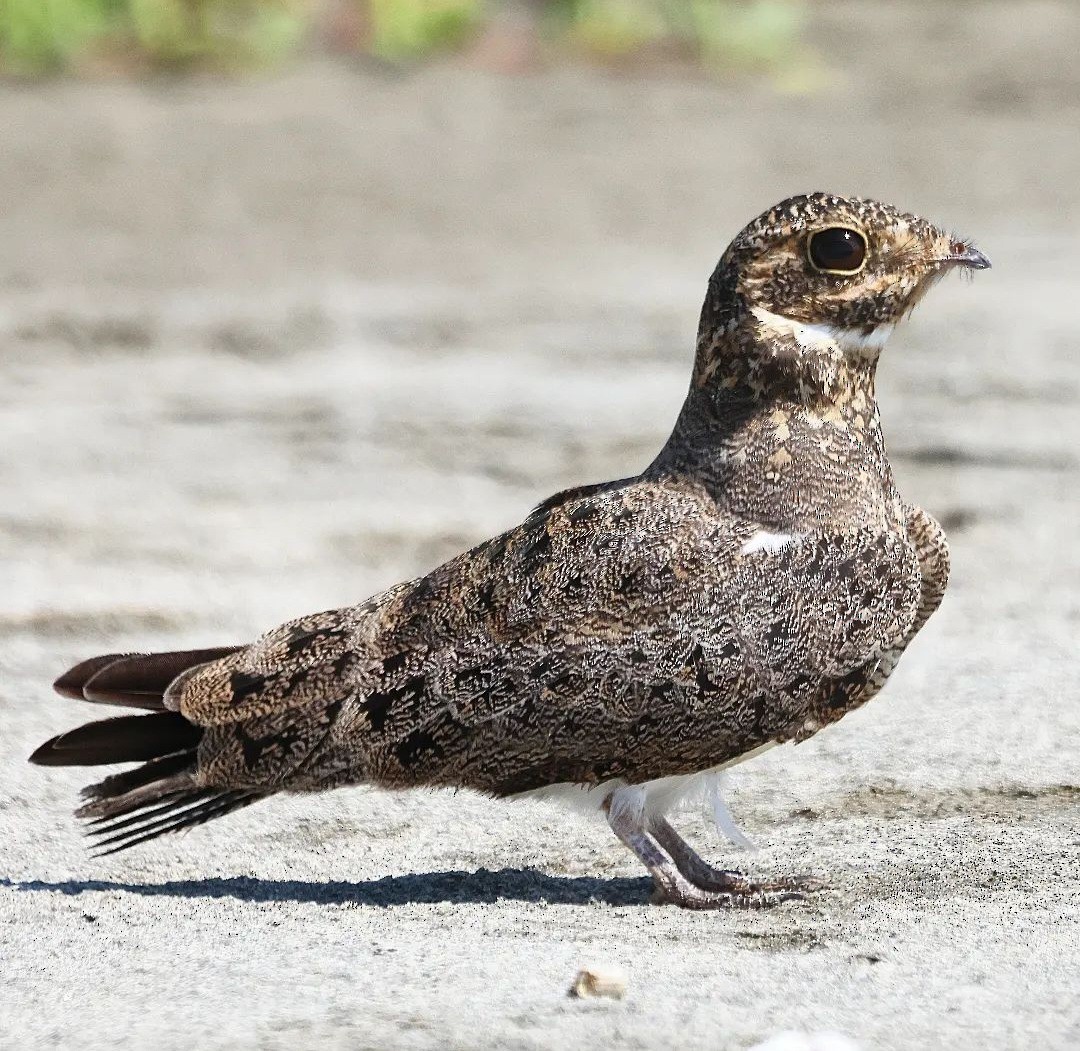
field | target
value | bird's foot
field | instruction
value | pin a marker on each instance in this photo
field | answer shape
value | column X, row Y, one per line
column 682, row 877
column 695, row 883
column 730, row 890
column 704, row 876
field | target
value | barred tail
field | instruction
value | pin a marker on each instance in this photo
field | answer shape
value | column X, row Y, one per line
column 162, row 795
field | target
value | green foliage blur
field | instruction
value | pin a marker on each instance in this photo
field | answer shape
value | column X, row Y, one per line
column 40, row 37
column 410, row 29
column 718, row 33
column 52, row 36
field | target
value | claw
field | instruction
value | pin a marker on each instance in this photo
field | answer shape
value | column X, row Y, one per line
column 751, row 896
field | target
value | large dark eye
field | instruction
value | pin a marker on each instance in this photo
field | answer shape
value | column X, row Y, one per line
column 837, row 250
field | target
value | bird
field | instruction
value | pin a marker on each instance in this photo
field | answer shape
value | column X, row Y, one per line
column 629, row 640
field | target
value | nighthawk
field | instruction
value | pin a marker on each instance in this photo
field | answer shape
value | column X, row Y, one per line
column 629, row 639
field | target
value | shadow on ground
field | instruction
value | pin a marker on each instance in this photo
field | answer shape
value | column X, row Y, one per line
column 480, row 887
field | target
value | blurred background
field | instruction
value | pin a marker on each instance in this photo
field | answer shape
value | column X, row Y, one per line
column 298, row 299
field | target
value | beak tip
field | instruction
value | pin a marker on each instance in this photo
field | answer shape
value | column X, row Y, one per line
column 963, row 254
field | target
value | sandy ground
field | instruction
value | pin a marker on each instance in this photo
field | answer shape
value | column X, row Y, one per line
column 268, row 347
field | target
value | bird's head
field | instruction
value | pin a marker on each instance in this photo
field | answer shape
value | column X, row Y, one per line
column 818, row 282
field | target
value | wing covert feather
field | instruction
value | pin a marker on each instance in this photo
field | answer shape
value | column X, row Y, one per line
column 582, row 645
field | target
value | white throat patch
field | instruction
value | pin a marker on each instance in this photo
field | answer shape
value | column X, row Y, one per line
column 817, row 337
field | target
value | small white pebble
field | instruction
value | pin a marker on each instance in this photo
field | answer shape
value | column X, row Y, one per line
column 598, row 981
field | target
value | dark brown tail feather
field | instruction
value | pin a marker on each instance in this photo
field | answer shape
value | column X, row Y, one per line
column 174, row 812
column 161, row 795
column 133, row 680
column 125, row 739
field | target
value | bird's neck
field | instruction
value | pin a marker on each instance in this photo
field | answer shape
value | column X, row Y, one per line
column 781, row 425
column 769, row 355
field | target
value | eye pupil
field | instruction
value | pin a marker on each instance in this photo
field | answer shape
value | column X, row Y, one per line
column 837, row 249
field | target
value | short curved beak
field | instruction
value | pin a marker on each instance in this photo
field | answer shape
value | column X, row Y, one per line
column 963, row 254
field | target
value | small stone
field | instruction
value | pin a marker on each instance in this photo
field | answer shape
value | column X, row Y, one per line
column 598, row 981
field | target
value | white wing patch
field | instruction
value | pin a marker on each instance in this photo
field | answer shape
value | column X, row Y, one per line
column 763, row 540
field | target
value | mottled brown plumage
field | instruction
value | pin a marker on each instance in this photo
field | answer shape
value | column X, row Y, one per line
column 758, row 580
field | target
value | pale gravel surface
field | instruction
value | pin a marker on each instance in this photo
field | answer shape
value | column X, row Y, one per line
column 266, row 348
